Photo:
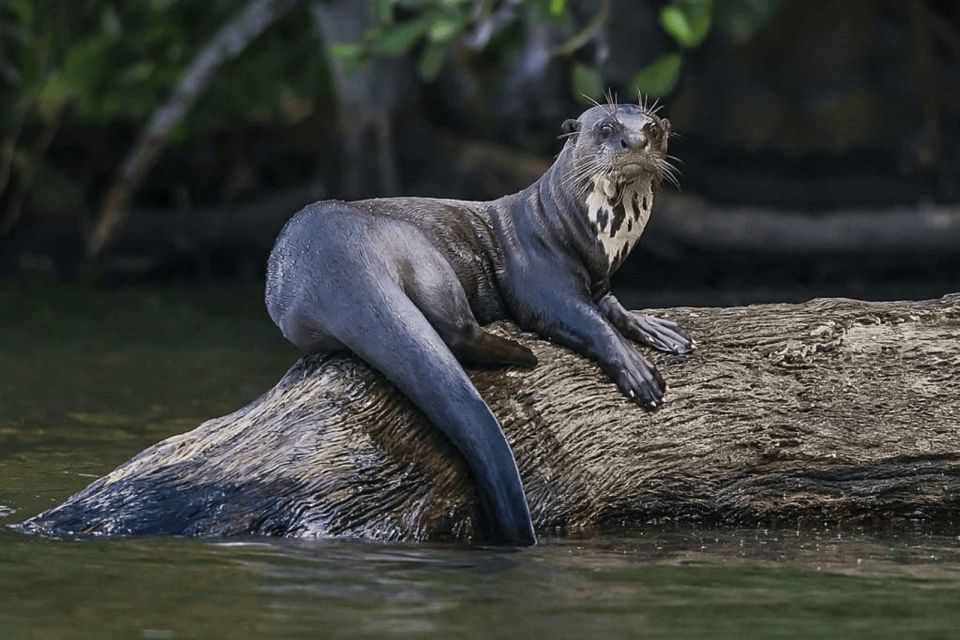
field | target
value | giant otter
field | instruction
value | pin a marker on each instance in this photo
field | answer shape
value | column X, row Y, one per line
column 407, row 283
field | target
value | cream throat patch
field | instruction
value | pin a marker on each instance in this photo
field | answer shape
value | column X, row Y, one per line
column 618, row 213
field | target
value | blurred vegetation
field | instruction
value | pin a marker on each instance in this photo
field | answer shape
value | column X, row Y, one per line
column 104, row 65
column 436, row 23
column 80, row 79
column 110, row 61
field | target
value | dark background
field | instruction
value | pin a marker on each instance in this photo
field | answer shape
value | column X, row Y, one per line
column 817, row 138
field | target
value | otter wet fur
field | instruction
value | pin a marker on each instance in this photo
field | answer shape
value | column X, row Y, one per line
column 407, row 284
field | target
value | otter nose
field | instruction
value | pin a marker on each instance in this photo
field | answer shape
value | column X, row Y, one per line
column 638, row 141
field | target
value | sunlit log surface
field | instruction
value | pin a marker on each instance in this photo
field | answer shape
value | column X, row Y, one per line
column 833, row 411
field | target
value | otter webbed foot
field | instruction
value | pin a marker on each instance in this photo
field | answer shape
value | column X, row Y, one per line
column 656, row 333
column 639, row 379
column 564, row 316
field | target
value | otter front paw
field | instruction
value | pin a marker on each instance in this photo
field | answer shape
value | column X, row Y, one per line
column 657, row 333
column 639, row 380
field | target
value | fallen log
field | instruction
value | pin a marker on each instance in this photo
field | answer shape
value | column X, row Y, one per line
column 833, row 411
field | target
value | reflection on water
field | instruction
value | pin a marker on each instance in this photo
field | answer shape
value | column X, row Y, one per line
column 88, row 379
column 651, row 584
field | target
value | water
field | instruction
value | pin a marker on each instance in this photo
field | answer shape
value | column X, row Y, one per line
column 88, row 378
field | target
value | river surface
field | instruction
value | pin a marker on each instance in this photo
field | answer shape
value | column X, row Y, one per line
column 90, row 377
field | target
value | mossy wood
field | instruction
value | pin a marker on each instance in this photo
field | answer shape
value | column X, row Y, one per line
column 833, row 411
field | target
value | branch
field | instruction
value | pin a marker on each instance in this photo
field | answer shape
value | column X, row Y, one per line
column 833, row 411
column 226, row 44
column 691, row 220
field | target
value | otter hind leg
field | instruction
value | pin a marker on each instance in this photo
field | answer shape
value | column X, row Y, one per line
column 487, row 349
column 400, row 342
column 438, row 294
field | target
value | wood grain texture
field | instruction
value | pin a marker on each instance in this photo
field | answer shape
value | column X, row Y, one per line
column 833, row 411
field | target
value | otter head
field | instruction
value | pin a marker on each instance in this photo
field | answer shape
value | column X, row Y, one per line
column 621, row 143
column 616, row 158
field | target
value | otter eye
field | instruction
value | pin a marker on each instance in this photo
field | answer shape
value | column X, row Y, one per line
column 606, row 130
column 653, row 129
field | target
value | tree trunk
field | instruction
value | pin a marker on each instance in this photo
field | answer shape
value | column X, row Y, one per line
column 826, row 412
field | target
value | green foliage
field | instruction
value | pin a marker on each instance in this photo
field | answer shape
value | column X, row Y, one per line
column 587, row 81
column 435, row 24
column 430, row 26
column 99, row 63
column 398, row 38
column 661, row 76
column 687, row 21
column 115, row 60
column 742, row 19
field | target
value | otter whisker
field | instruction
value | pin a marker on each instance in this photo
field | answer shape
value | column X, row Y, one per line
column 577, row 180
column 666, row 166
column 584, row 165
column 668, row 172
column 642, row 100
column 583, row 180
column 585, row 183
column 595, row 103
column 611, row 102
column 593, row 167
column 587, row 165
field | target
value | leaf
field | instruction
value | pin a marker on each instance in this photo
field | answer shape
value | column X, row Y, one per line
column 54, row 93
column 431, row 61
column 136, row 73
column 658, row 78
column 353, row 56
column 675, row 23
column 398, row 39
column 23, row 11
column 557, row 7
column 346, row 50
column 688, row 21
column 445, row 27
column 586, row 81
column 383, row 11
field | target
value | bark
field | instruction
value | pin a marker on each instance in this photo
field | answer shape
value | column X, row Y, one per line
column 833, row 411
column 228, row 43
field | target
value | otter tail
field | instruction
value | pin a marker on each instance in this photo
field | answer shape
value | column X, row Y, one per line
column 393, row 336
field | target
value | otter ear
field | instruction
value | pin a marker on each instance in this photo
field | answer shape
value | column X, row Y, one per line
column 570, row 126
column 665, row 124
